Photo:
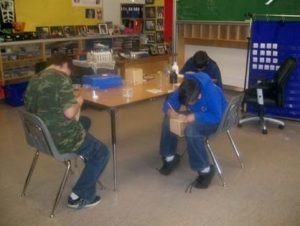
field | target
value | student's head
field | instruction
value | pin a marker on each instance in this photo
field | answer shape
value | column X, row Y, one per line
column 189, row 91
column 61, row 62
column 200, row 60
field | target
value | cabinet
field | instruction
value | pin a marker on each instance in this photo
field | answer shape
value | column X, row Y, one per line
column 18, row 59
column 132, row 17
column 150, row 65
column 154, row 23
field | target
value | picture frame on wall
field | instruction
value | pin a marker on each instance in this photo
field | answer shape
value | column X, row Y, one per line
column 161, row 49
column 150, row 12
column 90, row 14
column 92, row 30
column 81, row 30
column 103, row 29
column 149, row 1
column 43, row 32
column 151, row 38
column 149, row 25
column 69, row 31
column 56, row 32
column 159, row 36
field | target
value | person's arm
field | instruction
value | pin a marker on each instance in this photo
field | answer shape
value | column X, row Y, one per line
column 215, row 72
column 187, row 67
column 73, row 110
column 171, row 104
column 69, row 103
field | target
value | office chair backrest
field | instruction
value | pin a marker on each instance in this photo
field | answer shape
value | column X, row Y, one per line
column 38, row 136
column 231, row 115
column 282, row 76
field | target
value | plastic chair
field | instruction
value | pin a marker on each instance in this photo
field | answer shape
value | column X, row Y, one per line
column 230, row 119
column 38, row 136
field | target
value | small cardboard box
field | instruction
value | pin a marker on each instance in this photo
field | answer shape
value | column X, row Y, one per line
column 177, row 125
column 134, row 75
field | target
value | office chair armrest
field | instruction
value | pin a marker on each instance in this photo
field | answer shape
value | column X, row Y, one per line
column 264, row 86
column 260, row 80
column 262, row 83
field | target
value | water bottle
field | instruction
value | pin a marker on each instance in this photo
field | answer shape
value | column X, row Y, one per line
column 173, row 77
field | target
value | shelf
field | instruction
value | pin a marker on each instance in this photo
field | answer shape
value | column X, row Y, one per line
column 27, row 60
column 216, row 34
column 16, row 63
column 25, row 77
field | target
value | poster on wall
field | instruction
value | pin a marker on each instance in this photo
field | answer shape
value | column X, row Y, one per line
column 7, row 11
column 90, row 3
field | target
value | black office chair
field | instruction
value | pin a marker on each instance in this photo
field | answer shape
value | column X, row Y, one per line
column 269, row 92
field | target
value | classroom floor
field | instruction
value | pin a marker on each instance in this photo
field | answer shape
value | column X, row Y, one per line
column 264, row 193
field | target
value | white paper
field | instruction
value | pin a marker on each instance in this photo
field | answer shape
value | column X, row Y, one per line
column 154, row 91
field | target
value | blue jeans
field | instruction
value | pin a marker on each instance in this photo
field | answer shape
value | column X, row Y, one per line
column 96, row 156
column 195, row 136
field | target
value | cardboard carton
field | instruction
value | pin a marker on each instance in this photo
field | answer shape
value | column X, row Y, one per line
column 177, row 125
column 134, row 75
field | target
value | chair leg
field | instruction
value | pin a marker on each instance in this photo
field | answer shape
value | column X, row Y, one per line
column 35, row 158
column 61, row 188
column 215, row 163
column 236, row 151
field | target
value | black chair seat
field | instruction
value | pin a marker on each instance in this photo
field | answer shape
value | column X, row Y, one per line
column 269, row 92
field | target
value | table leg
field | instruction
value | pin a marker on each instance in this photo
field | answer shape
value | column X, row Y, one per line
column 114, row 144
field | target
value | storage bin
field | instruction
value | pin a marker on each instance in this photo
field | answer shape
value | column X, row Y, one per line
column 102, row 81
column 14, row 93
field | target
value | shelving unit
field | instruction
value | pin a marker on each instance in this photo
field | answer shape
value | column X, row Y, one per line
column 132, row 17
column 154, row 23
column 220, row 34
column 18, row 59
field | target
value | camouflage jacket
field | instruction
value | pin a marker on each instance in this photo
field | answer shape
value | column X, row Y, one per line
column 48, row 94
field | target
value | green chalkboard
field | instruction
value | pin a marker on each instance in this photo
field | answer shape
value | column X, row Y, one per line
column 232, row 10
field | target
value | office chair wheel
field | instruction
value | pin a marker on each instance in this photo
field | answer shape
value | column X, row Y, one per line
column 281, row 126
column 264, row 131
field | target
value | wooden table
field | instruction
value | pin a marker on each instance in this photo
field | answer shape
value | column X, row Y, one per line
column 112, row 100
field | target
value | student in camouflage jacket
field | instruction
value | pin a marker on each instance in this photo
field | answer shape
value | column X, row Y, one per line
column 50, row 96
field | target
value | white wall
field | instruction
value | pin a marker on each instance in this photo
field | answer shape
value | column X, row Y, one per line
column 231, row 61
column 112, row 11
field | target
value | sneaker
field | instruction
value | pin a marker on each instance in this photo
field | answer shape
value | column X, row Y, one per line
column 80, row 203
column 204, row 179
column 169, row 167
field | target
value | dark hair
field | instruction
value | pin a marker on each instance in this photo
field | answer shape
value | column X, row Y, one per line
column 189, row 91
column 200, row 59
column 59, row 59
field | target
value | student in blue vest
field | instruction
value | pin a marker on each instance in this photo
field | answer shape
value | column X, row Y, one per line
column 202, row 62
column 204, row 104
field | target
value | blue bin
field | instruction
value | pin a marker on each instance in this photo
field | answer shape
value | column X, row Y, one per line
column 14, row 93
column 102, row 81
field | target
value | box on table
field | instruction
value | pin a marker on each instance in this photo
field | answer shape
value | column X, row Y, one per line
column 177, row 125
column 134, row 75
column 104, row 81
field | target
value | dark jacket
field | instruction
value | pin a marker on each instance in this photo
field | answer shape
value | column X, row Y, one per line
column 211, row 69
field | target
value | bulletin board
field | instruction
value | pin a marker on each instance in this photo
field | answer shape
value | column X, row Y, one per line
column 271, row 43
column 40, row 13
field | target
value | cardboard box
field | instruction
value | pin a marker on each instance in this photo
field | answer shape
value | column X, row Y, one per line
column 134, row 75
column 177, row 125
